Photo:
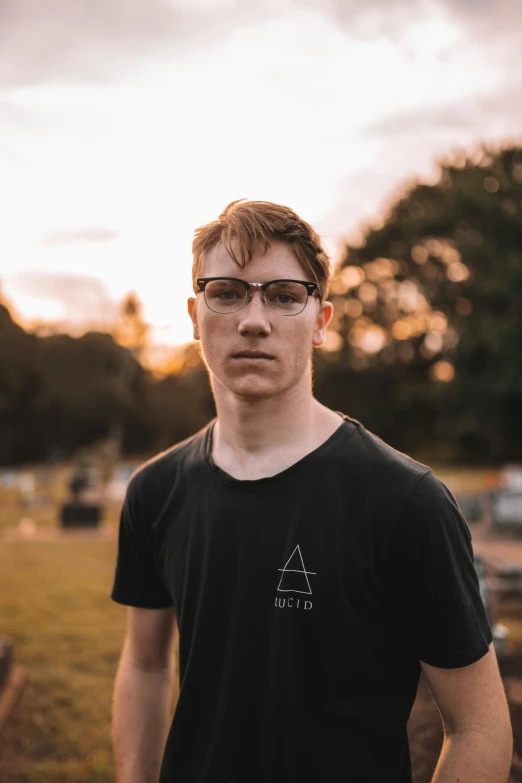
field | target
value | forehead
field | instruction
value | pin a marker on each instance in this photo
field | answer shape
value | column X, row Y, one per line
column 278, row 261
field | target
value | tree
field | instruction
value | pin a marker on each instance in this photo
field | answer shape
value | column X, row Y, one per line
column 20, row 384
column 131, row 330
column 432, row 301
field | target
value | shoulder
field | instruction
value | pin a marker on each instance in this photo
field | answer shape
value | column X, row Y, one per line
column 433, row 510
column 380, row 463
column 431, row 493
column 161, row 471
column 431, row 519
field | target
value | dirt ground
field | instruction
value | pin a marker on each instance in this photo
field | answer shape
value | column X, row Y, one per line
column 425, row 725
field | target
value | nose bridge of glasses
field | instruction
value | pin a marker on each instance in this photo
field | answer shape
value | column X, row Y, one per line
column 249, row 292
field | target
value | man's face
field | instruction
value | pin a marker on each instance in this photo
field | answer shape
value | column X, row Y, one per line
column 288, row 339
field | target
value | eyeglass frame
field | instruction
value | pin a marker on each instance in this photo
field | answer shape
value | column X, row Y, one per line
column 310, row 287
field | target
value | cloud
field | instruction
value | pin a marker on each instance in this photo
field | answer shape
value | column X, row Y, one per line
column 369, row 19
column 78, row 39
column 486, row 18
column 382, row 17
column 97, row 40
column 74, row 298
column 459, row 116
column 94, row 40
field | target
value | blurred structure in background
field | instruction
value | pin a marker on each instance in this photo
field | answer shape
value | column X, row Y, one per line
column 82, row 510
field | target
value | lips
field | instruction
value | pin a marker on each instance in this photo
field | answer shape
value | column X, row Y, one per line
column 252, row 355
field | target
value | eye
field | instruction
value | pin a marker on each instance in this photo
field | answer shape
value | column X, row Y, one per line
column 224, row 290
column 284, row 298
column 226, row 293
column 286, row 295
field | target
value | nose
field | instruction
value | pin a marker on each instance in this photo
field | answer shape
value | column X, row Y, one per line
column 254, row 314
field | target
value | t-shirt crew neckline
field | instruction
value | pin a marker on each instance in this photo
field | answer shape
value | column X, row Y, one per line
column 276, row 479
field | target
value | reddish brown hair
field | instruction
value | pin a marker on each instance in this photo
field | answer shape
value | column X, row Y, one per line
column 258, row 222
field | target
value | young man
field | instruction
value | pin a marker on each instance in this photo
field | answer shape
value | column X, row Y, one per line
column 312, row 570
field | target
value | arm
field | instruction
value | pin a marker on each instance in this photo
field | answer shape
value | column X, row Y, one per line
column 478, row 740
column 142, row 692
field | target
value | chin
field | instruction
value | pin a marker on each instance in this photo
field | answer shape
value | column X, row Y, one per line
column 250, row 387
column 253, row 391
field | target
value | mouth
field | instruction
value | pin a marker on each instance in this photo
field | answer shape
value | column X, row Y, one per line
column 253, row 356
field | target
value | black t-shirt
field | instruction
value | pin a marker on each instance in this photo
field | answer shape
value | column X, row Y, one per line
column 304, row 602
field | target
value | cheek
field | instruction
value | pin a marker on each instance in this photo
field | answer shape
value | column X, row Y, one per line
column 214, row 335
column 297, row 343
column 301, row 333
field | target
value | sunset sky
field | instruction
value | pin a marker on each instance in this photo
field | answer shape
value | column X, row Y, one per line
column 125, row 124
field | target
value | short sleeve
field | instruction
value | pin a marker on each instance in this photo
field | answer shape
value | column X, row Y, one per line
column 136, row 581
column 434, row 586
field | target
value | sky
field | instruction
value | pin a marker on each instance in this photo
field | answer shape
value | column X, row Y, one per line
column 124, row 125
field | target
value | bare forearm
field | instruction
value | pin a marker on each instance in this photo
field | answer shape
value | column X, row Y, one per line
column 140, row 715
column 475, row 757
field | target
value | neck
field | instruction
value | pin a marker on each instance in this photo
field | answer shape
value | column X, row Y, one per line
column 250, row 429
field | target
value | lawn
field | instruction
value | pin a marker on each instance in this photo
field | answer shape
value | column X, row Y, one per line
column 55, row 608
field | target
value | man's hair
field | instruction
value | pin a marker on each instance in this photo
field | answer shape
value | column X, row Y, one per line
column 252, row 223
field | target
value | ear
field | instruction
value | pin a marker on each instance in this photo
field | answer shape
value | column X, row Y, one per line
column 193, row 312
column 324, row 317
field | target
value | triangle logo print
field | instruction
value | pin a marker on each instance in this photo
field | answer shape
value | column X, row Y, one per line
column 294, row 578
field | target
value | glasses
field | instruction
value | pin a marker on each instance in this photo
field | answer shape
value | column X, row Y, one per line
column 229, row 294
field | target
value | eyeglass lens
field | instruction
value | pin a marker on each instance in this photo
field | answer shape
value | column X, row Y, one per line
column 282, row 297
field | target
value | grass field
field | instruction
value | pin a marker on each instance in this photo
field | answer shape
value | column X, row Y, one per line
column 56, row 610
